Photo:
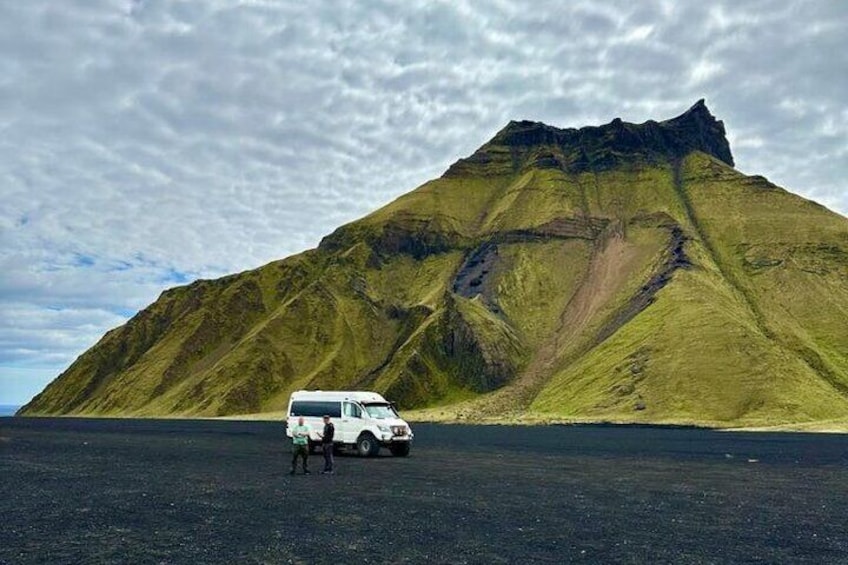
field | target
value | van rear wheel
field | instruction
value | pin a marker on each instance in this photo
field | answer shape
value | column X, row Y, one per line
column 400, row 449
column 367, row 445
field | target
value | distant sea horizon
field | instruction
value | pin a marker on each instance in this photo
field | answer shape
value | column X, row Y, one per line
column 8, row 409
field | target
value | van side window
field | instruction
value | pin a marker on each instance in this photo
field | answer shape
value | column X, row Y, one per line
column 352, row 410
column 315, row 409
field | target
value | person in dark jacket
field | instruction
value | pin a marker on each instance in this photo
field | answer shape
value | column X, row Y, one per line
column 327, row 445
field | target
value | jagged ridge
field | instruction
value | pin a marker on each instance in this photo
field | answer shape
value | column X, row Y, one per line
column 599, row 148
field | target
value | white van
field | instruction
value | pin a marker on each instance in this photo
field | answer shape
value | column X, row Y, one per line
column 363, row 420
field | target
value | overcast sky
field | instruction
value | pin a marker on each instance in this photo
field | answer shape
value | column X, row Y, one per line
column 144, row 144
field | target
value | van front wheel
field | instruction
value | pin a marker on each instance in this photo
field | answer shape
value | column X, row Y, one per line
column 367, row 445
column 399, row 449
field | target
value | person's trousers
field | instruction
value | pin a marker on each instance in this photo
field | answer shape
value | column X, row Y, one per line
column 328, row 456
column 300, row 451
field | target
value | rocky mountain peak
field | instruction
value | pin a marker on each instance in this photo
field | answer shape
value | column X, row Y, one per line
column 596, row 148
column 700, row 130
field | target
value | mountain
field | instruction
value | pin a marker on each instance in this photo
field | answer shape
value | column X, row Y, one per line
column 620, row 273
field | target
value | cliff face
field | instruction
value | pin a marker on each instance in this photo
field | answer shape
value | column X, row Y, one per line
column 621, row 272
column 595, row 149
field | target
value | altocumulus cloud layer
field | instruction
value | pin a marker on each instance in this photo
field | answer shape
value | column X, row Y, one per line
column 144, row 144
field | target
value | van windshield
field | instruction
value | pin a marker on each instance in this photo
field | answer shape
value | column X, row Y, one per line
column 380, row 411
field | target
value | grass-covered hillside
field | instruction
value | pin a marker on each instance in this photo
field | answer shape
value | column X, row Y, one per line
column 619, row 273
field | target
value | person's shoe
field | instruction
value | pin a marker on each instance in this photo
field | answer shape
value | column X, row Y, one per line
column 291, row 472
column 307, row 472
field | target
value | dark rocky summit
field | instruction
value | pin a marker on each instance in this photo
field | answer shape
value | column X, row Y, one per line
column 599, row 148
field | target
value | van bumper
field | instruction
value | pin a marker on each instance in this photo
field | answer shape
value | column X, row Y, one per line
column 387, row 439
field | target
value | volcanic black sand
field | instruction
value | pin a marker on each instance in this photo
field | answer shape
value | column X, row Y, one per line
column 136, row 491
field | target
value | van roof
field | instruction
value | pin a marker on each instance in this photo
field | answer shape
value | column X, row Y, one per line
column 357, row 395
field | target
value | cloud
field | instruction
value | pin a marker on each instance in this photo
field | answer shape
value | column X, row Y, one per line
column 147, row 143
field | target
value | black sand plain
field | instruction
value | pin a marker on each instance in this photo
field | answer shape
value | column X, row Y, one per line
column 165, row 491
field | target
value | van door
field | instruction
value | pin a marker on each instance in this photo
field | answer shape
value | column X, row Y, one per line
column 351, row 422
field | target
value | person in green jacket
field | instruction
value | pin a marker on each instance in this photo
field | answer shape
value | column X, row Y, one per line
column 300, row 445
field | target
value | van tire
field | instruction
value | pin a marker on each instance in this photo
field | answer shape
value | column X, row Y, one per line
column 367, row 445
column 311, row 447
column 400, row 449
